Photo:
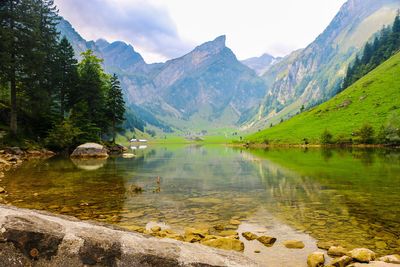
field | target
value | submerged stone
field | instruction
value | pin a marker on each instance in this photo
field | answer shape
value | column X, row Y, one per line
column 293, row 244
column 249, row 236
column 267, row 240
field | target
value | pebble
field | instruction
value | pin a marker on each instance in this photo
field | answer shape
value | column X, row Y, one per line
column 293, row 244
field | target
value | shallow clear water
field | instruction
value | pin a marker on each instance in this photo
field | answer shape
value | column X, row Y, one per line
column 350, row 196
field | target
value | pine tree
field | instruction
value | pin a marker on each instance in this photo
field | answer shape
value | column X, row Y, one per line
column 92, row 89
column 115, row 105
column 39, row 84
column 66, row 75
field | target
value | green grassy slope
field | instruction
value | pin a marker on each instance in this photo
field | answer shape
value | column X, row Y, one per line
column 370, row 100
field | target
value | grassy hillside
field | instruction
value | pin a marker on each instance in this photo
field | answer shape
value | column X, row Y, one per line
column 370, row 100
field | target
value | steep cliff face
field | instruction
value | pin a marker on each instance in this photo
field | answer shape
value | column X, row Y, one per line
column 314, row 74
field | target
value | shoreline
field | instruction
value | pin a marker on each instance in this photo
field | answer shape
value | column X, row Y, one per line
column 261, row 145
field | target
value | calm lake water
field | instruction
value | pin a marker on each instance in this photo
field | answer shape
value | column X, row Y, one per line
column 350, row 196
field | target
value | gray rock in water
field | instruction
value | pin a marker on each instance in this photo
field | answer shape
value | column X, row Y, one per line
column 30, row 238
column 90, row 150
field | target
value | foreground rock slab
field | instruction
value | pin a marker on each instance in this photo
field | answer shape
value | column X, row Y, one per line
column 32, row 238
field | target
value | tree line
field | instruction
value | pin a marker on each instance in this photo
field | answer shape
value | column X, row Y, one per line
column 46, row 95
column 385, row 45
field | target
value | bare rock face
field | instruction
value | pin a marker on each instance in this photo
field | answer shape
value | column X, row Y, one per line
column 30, row 238
column 90, row 150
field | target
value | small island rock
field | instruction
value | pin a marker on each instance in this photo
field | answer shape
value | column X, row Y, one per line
column 90, row 150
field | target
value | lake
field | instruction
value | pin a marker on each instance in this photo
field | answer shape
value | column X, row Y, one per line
column 350, row 196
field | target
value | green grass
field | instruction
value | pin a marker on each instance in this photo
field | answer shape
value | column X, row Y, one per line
column 370, row 100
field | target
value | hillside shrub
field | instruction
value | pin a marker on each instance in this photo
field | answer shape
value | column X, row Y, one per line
column 326, row 138
column 366, row 134
column 389, row 133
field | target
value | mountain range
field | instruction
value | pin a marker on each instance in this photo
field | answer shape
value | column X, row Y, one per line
column 210, row 88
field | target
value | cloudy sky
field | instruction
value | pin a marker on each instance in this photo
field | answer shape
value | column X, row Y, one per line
column 164, row 29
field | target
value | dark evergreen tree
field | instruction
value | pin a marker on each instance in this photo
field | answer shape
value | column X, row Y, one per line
column 92, row 89
column 16, row 31
column 115, row 106
column 66, row 76
column 46, row 91
column 39, row 84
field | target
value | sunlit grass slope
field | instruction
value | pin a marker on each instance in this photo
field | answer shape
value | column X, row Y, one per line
column 370, row 100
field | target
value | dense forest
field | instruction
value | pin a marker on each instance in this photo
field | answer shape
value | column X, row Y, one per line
column 385, row 45
column 46, row 96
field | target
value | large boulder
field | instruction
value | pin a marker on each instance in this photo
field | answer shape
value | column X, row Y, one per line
column 90, row 150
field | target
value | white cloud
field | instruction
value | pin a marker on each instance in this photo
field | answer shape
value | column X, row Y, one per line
column 161, row 29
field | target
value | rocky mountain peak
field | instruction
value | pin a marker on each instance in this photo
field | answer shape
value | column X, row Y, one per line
column 213, row 47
